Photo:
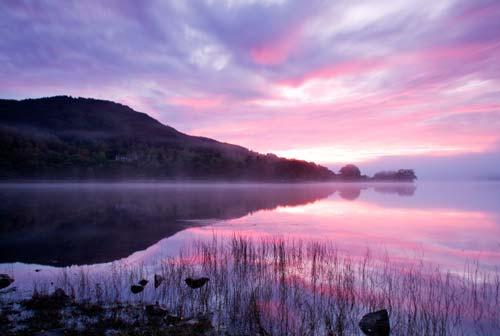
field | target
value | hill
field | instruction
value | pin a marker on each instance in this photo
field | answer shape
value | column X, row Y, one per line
column 80, row 138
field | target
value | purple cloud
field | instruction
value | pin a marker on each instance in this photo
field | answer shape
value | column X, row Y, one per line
column 320, row 77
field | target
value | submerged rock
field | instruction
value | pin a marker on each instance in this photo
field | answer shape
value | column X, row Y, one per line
column 196, row 283
column 5, row 281
column 158, row 280
column 143, row 282
column 136, row 289
column 156, row 310
column 376, row 323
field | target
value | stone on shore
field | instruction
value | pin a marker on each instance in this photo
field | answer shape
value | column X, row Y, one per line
column 196, row 283
column 5, row 281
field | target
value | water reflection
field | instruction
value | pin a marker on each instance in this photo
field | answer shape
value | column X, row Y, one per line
column 94, row 223
column 70, row 224
column 141, row 224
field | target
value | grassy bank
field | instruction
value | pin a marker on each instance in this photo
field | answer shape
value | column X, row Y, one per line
column 283, row 287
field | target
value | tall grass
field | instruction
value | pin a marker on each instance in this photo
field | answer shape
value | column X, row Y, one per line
column 275, row 286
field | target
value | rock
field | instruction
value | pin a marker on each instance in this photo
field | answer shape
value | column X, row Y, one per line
column 5, row 281
column 136, row 289
column 37, row 270
column 376, row 323
column 143, row 282
column 196, row 283
column 156, row 310
column 158, row 280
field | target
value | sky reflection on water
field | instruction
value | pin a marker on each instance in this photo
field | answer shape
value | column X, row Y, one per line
column 443, row 223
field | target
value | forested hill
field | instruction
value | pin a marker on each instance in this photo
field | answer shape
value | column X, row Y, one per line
column 63, row 137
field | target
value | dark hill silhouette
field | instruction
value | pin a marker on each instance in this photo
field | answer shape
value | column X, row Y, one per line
column 65, row 137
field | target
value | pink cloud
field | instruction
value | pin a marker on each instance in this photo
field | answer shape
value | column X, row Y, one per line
column 277, row 50
column 424, row 57
column 196, row 103
column 354, row 67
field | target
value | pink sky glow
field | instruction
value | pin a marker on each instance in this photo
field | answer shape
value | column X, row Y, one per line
column 331, row 82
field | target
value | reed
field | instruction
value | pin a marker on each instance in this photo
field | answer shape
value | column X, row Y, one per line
column 277, row 286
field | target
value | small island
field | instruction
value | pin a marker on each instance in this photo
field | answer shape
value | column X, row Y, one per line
column 351, row 172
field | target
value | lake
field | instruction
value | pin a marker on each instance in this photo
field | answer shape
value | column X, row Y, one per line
column 84, row 223
column 50, row 230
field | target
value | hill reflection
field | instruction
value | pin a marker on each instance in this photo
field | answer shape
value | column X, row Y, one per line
column 66, row 224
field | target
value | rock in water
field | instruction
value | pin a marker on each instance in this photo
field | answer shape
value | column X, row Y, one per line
column 5, row 281
column 143, row 282
column 156, row 310
column 196, row 283
column 376, row 323
column 136, row 289
column 158, row 280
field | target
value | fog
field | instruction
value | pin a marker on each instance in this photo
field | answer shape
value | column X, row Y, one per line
column 428, row 168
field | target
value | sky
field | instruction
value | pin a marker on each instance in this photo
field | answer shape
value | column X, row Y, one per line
column 383, row 84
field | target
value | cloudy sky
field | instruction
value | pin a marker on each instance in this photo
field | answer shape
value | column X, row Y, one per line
column 372, row 82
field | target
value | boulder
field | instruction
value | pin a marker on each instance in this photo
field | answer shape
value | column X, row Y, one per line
column 375, row 323
column 5, row 281
column 158, row 280
column 196, row 283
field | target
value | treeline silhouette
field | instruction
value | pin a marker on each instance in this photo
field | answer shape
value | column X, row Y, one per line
column 65, row 137
column 81, row 138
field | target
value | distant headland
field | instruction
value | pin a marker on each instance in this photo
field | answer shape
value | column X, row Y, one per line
column 63, row 137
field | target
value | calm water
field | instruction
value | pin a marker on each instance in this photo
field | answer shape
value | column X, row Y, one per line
column 46, row 226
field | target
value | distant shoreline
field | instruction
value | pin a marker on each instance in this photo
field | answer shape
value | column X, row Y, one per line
column 191, row 181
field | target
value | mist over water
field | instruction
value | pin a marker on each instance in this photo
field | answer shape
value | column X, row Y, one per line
column 76, row 224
